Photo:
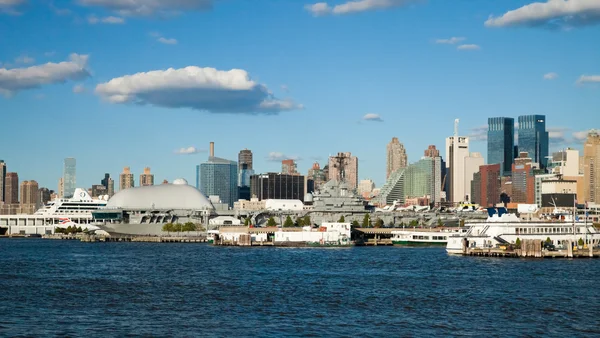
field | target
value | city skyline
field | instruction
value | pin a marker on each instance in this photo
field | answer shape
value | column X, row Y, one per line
column 375, row 82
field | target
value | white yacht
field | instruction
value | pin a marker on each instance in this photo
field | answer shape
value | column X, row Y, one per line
column 502, row 228
column 59, row 213
column 425, row 236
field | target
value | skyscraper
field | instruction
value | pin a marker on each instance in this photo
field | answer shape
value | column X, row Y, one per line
column 344, row 167
column 30, row 197
column 533, row 138
column 277, row 186
column 218, row 177
column 245, row 157
column 317, row 175
column 61, row 187
column 146, row 178
column 501, row 142
column 105, row 180
column 591, row 167
column 126, row 180
column 396, row 157
column 12, row 188
column 2, row 180
column 69, row 177
column 457, row 149
column 472, row 164
column 431, row 151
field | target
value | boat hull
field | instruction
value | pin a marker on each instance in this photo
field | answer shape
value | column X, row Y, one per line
column 142, row 230
column 419, row 243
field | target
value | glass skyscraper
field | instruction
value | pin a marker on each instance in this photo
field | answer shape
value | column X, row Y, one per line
column 218, row 177
column 501, row 142
column 533, row 138
column 69, row 177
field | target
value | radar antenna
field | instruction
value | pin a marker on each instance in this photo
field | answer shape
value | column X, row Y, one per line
column 340, row 164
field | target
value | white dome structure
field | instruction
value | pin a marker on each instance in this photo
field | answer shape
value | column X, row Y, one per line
column 180, row 181
column 161, row 197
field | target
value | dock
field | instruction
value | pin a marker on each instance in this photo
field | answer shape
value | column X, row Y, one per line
column 534, row 249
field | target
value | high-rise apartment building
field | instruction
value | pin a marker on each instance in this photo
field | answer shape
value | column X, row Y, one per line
column 533, row 138
column 218, row 177
column 422, row 179
column 485, row 188
column 126, row 180
column 11, row 188
column 45, row 196
column 146, row 178
column 431, row 151
column 245, row 171
column 457, row 149
column 30, row 197
column 277, row 186
column 69, row 177
column 98, row 190
column 365, row 187
column 344, row 167
column 396, row 157
column 501, row 142
column 61, row 188
column 591, row 167
column 111, row 187
column 289, row 167
column 2, row 180
column 523, row 180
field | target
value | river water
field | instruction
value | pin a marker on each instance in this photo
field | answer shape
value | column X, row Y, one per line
column 69, row 288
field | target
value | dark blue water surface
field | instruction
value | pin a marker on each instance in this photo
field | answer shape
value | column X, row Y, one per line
column 69, row 288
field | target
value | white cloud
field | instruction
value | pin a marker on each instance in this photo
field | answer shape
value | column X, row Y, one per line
column 276, row 156
column 205, row 89
column 167, row 41
column 372, row 117
column 189, row 151
column 111, row 20
column 78, row 88
column 550, row 76
column 16, row 79
column 355, row 6
column 558, row 135
column 24, row 59
column 10, row 6
column 588, row 79
column 149, row 7
column 453, row 40
column 318, row 9
column 552, row 13
column 468, row 47
column 479, row 133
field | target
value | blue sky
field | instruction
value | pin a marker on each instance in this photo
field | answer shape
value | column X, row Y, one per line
column 306, row 78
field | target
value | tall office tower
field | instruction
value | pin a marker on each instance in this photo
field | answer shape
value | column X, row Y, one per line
column 317, row 175
column 344, row 167
column 289, row 167
column 501, row 142
column 69, row 177
column 523, row 180
column 45, row 196
column 533, row 138
column 457, row 149
column 485, row 187
column 61, row 188
column 591, row 167
column 431, row 151
column 30, row 197
column 472, row 164
column 105, row 180
column 11, row 188
column 277, row 186
column 396, row 157
column 146, row 178
column 218, row 177
column 2, row 180
column 422, row 179
column 126, row 179
column 245, row 157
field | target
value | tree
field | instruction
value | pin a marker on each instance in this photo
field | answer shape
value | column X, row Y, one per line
column 247, row 222
column 342, row 219
column 440, row 223
column 518, row 243
column 462, row 223
column 366, row 223
column 178, row 227
column 69, row 229
column 168, row 227
column 271, row 222
column 288, row 222
column 355, row 224
column 580, row 242
column 378, row 223
column 188, row 226
column 79, row 229
column 548, row 240
column 307, row 220
column 414, row 223
column 199, row 227
column 299, row 221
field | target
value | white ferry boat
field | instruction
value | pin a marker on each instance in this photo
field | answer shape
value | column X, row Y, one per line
column 59, row 213
column 502, row 228
column 425, row 237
